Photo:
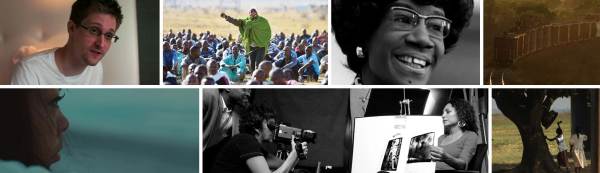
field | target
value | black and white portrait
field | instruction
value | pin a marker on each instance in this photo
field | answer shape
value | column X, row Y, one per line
column 405, row 42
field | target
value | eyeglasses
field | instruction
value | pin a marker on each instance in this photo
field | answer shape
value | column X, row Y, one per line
column 408, row 19
column 109, row 36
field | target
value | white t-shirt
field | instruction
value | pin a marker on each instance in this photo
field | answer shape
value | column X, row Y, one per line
column 41, row 69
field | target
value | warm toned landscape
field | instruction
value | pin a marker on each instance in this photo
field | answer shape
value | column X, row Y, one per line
column 281, row 20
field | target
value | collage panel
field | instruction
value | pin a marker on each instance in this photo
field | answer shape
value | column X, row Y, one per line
column 82, row 42
column 404, row 42
column 436, row 126
column 545, row 130
column 345, row 130
column 250, row 42
column 99, row 130
column 551, row 42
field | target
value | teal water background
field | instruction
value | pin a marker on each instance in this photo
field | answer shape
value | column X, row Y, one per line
column 130, row 130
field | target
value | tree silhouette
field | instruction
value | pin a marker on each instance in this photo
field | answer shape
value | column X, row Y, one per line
column 526, row 108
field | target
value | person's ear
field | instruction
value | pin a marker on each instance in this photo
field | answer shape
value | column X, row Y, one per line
column 257, row 131
column 71, row 26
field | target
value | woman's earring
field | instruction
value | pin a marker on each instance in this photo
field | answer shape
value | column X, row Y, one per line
column 461, row 124
column 359, row 52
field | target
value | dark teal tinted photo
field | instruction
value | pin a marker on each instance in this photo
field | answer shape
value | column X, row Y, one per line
column 100, row 130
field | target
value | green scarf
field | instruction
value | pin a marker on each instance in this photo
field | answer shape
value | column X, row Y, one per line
column 255, row 31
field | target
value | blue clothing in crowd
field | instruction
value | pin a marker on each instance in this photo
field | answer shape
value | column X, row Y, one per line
column 280, row 61
column 303, row 60
column 169, row 58
column 233, row 73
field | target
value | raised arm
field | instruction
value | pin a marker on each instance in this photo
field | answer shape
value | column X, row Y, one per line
column 236, row 22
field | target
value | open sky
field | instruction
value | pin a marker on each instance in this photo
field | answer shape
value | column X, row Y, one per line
column 559, row 105
column 245, row 3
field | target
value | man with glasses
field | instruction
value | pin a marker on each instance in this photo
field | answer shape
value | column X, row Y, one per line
column 92, row 26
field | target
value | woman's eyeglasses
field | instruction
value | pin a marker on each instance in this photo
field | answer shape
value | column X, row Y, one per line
column 408, row 19
column 95, row 31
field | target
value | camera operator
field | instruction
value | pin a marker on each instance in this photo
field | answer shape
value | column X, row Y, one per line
column 244, row 151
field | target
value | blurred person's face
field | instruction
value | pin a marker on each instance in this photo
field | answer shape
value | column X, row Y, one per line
column 399, row 53
column 213, row 67
column 449, row 116
column 187, row 45
column 259, row 76
column 225, row 44
column 235, row 50
column 50, row 125
column 287, row 51
column 91, row 39
column 253, row 14
column 237, row 98
column 200, row 72
column 266, row 68
column 179, row 44
column 191, row 68
column 265, row 133
column 192, row 80
column 308, row 51
column 166, row 47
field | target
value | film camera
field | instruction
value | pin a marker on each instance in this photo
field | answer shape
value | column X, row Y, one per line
column 282, row 135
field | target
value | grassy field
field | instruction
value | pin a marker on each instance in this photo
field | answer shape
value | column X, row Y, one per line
column 281, row 20
column 506, row 140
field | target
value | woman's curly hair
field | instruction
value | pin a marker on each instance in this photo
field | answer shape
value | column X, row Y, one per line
column 355, row 21
column 465, row 113
column 252, row 119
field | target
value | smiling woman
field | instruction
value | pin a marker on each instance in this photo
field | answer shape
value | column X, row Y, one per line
column 397, row 42
column 31, row 126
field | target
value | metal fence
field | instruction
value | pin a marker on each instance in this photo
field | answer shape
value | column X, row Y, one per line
column 512, row 46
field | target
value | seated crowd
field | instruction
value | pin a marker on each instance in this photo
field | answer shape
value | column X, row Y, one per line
column 205, row 59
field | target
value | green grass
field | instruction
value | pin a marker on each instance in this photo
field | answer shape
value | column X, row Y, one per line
column 506, row 140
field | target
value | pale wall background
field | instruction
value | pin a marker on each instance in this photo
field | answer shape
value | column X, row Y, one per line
column 42, row 24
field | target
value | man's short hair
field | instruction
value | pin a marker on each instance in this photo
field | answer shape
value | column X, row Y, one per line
column 82, row 8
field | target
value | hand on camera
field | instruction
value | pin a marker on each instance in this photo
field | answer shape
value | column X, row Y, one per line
column 304, row 146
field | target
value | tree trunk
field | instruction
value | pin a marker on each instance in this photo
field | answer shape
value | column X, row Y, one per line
column 526, row 108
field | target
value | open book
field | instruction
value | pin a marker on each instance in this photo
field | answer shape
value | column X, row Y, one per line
column 395, row 143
